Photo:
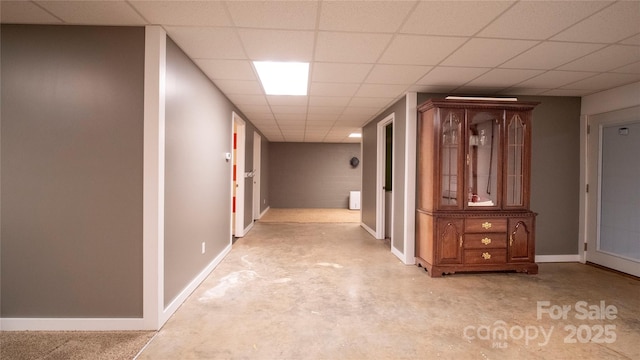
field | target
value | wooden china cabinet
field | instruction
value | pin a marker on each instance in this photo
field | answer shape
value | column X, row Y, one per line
column 474, row 161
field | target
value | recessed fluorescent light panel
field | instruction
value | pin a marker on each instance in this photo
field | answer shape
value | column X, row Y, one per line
column 355, row 135
column 283, row 78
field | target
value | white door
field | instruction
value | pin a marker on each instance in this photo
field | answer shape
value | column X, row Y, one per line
column 613, row 200
column 257, row 156
column 239, row 178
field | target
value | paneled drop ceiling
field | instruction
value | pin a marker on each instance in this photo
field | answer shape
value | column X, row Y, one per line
column 365, row 55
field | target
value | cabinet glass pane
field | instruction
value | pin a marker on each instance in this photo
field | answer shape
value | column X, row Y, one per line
column 450, row 140
column 515, row 160
column 483, row 158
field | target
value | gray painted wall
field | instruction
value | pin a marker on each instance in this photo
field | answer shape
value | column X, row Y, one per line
column 555, row 173
column 197, row 177
column 312, row 175
column 369, row 181
column 72, row 142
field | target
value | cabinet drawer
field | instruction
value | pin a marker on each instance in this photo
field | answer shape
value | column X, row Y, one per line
column 482, row 225
column 485, row 241
column 485, row 256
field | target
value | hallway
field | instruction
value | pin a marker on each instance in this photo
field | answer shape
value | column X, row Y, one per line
column 331, row 291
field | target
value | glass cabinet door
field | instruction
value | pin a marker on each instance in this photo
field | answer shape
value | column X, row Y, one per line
column 515, row 177
column 483, row 158
column 451, row 145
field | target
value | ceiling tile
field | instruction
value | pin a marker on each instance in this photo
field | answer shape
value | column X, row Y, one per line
column 227, row 69
column 396, row 74
column 609, row 58
column 322, row 118
column 350, row 47
column 339, row 73
column 608, row 80
column 280, row 109
column 334, row 110
column 207, row 42
column 290, row 119
column 246, row 99
column 239, row 87
column 370, row 102
column 359, row 111
column 487, row 52
column 25, row 12
column 630, row 69
column 419, row 49
column 476, row 15
column 612, row 24
column 431, row 89
column 274, row 14
column 262, row 119
column 552, row 79
column 549, row 55
column 503, row 77
column 188, row 13
column 260, row 109
column 633, row 40
column 363, row 16
column 379, row 90
column 539, row 19
column 331, row 89
column 284, row 100
column 442, row 75
column 329, row 100
column 94, row 12
column 354, row 119
column 277, row 45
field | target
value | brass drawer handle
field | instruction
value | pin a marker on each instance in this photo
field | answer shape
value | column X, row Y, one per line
column 486, row 225
column 486, row 256
column 460, row 240
column 486, row 241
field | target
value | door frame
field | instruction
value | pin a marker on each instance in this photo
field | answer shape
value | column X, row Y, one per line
column 257, row 162
column 238, row 158
column 592, row 197
column 380, row 176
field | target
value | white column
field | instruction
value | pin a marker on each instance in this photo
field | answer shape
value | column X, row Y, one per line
column 153, row 174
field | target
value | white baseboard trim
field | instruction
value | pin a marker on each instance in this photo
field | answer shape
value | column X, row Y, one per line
column 62, row 324
column 557, row 258
column 184, row 294
column 369, row 230
column 109, row 324
column 245, row 230
column 265, row 211
column 249, row 227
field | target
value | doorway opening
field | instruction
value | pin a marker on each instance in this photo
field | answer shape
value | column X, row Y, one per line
column 384, row 181
column 256, row 175
column 613, row 202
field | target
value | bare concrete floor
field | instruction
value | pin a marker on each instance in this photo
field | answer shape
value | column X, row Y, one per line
column 331, row 291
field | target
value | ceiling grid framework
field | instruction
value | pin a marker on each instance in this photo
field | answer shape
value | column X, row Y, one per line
column 365, row 55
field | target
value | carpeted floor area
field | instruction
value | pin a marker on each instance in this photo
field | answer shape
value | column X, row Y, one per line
column 72, row 345
column 275, row 215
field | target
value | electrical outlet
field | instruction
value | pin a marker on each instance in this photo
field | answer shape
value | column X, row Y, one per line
column 203, row 247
